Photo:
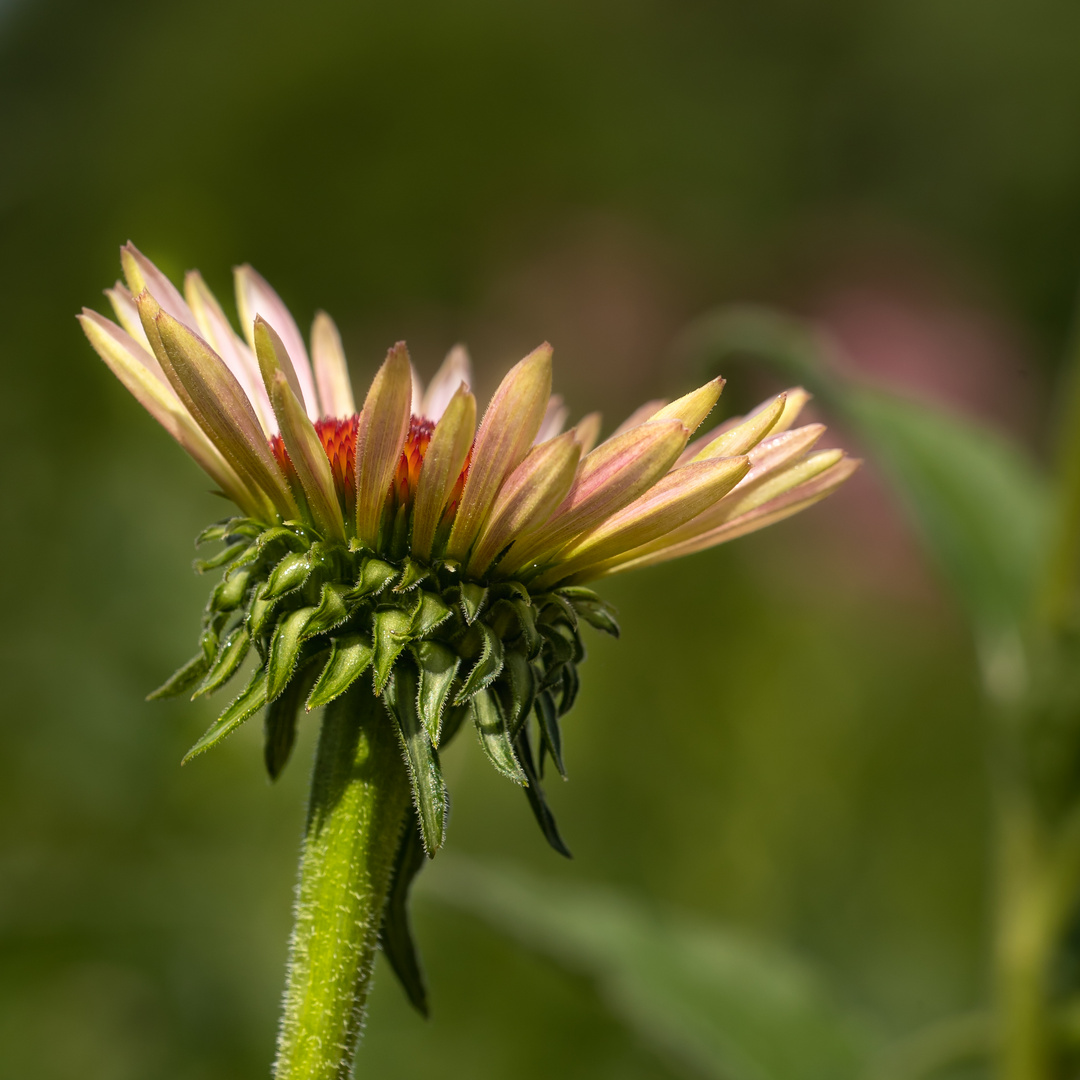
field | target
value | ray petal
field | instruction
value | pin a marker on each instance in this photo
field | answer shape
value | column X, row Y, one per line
column 510, row 424
column 742, row 437
column 127, row 314
column 639, row 416
column 214, row 326
column 442, row 465
column 527, row 497
column 554, row 419
column 141, row 273
column 254, row 296
column 776, row 509
column 214, row 398
column 613, row 475
column 692, row 408
column 331, row 368
column 587, row 431
column 142, row 376
column 675, row 499
column 454, row 370
column 381, row 431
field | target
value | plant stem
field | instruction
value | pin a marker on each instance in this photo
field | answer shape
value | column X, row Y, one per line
column 1027, row 930
column 359, row 799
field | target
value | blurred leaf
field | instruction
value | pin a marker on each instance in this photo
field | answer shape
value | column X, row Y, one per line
column 711, row 999
column 979, row 500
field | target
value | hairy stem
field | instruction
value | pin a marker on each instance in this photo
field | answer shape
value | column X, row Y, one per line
column 359, row 799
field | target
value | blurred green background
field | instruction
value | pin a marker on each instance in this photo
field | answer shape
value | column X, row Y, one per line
column 786, row 741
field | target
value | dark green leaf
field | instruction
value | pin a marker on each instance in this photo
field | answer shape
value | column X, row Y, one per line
column 558, row 647
column 555, row 608
column 535, row 794
column 260, row 614
column 395, row 934
column 230, row 656
column 182, row 680
column 350, row 657
column 486, row 668
column 284, row 650
column 438, row 666
column 429, row 791
column 247, row 704
column 571, row 683
column 494, row 738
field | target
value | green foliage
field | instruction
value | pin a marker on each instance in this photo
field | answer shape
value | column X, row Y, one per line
column 723, row 1006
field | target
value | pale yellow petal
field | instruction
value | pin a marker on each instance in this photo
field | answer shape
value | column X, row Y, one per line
column 510, row 424
column 445, row 458
column 454, row 370
column 692, row 408
column 254, row 296
column 331, row 369
column 380, row 436
column 527, row 497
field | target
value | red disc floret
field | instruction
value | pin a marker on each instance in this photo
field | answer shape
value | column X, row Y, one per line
column 339, row 441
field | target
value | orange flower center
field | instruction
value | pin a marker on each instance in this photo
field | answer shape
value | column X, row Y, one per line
column 339, row 441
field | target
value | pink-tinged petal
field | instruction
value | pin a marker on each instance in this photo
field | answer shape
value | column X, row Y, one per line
column 642, row 414
column 739, row 438
column 769, row 458
column 127, row 314
column 141, row 274
column 777, row 509
column 216, row 401
column 214, row 326
column 272, row 355
column 304, row 445
column 587, row 431
column 454, row 370
column 782, row 480
column 554, row 419
column 445, row 458
column 254, row 296
column 380, row 435
column 510, row 424
column 417, row 402
column 797, row 398
column 528, row 496
column 675, row 499
column 141, row 375
column 692, row 408
column 331, row 368
column 616, row 473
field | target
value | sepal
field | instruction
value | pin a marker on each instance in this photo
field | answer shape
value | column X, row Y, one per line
column 438, row 666
column 494, row 738
column 429, row 791
column 250, row 701
column 350, row 657
column 182, row 680
column 395, row 934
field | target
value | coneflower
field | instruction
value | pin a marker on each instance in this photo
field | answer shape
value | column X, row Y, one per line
column 413, row 572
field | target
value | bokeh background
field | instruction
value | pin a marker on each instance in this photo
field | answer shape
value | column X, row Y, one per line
column 786, row 741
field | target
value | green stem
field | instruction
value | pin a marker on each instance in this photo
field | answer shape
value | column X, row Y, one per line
column 1027, row 930
column 359, row 799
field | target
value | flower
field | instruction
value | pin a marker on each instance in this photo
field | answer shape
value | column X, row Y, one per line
column 447, row 559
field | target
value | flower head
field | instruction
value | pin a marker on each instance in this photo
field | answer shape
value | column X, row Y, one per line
column 444, row 558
